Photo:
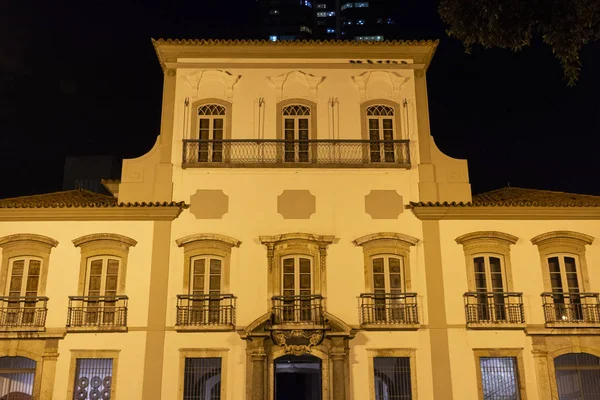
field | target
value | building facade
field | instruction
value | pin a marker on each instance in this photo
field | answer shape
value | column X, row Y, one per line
column 295, row 233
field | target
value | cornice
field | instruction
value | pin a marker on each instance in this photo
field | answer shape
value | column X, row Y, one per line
column 506, row 213
column 129, row 242
column 91, row 214
column 208, row 236
column 385, row 235
column 28, row 237
column 558, row 235
column 169, row 51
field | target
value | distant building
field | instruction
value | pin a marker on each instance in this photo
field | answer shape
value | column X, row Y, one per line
column 372, row 20
column 87, row 172
column 287, row 19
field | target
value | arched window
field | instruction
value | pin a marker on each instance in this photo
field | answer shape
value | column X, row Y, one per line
column 17, row 378
column 296, row 132
column 577, row 376
column 211, row 128
column 381, row 127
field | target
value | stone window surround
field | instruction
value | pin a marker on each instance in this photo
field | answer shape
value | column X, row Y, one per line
column 227, row 116
column 517, row 353
column 204, row 353
column 487, row 243
column 207, row 244
column 563, row 243
column 103, row 244
column 112, row 354
column 312, row 124
column 386, row 243
column 288, row 244
column 398, row 134
column 410, row 353
column 22, row 245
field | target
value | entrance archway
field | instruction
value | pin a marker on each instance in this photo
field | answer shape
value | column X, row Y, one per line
column 298, row 377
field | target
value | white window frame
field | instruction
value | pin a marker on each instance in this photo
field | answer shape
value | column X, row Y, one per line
column 296, row 258
column 207, row 258
column 563, row 271
column 104, row 273
column 488, row 271
column 386, row 271
column 27, row 260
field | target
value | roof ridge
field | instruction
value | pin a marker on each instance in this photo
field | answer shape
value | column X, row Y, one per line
column 7, row 199
column 533, row 190
column 216, row 42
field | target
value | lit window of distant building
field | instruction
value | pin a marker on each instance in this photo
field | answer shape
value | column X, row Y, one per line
column 274, row 12
column 287, row 37
column 390, row 21
column 380, row 20
column 321, row 22
column 330, row 30
column 322, row 6
column 369, row 38
column 360, row 22
column 323, row 14
column 306, row 3
column 305, row 29
column 273, row 38
column 347, row 5
column 361, row 4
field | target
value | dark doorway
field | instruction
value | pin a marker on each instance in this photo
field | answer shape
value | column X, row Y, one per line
column 298, row 378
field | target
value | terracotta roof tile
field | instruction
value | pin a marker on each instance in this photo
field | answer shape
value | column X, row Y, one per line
column 76, row 198
column 520, row 197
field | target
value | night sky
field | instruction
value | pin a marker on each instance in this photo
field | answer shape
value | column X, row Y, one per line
column 81, row 78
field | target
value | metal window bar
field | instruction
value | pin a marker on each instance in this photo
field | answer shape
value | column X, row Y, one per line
column 499, row 378
column 301, row 309
column 93, row 379
column 578, row 376
column 202, row 379
column 562, row 307
column 206, row 310
column 388, row 308
column 25, row 311
column 97, row 311
column 494, row 308
column 295, row 153
column 392, row 378
column 16, row 378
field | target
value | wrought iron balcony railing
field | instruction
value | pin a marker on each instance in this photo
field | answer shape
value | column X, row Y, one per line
column 23, row 313
column 388, row 309
column 100, row 312
column 206, row 310
column 560, row 307
column 264, row 153
column 300, row 310
column 494, row 308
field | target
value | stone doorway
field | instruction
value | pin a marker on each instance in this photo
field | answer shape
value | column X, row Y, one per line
column 298, row 378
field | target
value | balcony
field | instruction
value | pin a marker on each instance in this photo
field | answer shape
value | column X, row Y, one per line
column 97, row 313
column 388, row 311
column 570, row 310
column 494, row 310
column 23, row 313
column 205, row 312
column 267, row 153
column 297, row 312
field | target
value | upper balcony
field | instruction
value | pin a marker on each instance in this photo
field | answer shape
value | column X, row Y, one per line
column 494, row 310
column 205, row 312
column 23, row 313
column 277, row 153
column 569, row 310
column 97, row 313
column 389, row 311
column 297, row 312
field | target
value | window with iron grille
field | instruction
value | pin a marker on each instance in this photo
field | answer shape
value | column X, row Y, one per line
column 16, row 378
column 202, row 379
column 499, row 378
column 392, row 378
column 578, row 376
column 93, row 379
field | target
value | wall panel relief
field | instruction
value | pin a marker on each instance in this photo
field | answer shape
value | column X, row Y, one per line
column 212, row 83
column 379, row 85
column 296, row 84
column 296, row 204
column 384, row 204
column 209, row 204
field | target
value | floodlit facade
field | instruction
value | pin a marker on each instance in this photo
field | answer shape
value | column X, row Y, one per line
column 295, row 233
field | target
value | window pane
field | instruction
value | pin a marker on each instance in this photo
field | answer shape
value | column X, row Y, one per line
column 288, row 281
column 499, row 379
column 215, row 282
column 113, row 267
column 288, row 266
column 198, row 283
column 199, row 266
column 395, row 281
column 304, row 266
column 553, row 264
column 387, row 124
column 304, row 281
column 218, row 123
column 378, row 265
column 96, row 267
column 215, row 267
column 392, row 378
column 93, row 378
column 289, row 124
column 202, row 379
column 555, row 278
column 34, row 267
column 394, row 265
column 303, row 123
column 204, row 123
column 378, row 281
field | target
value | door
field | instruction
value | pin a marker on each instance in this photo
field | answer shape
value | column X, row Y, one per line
column 298, row 378
column 296, row 131
column 101, row 289
column 388, row 285
column 380, row 120
column 490, row 284
column 22, row 289
column 211, row 125
column 564, row 281
column 297, row 289
column 205, row 287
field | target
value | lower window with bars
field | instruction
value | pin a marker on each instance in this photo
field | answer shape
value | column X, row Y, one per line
column 202, row 379
column 392, row 378
column 499, row 378
column 93, row 379
column 16, row 378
